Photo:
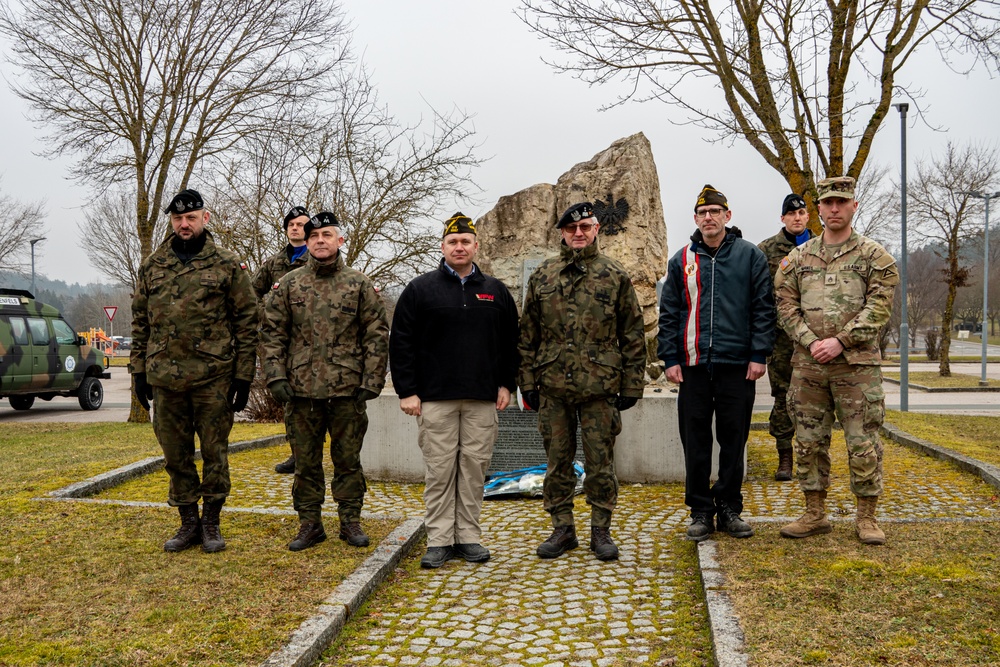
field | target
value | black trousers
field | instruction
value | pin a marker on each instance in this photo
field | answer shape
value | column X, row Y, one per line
column 722, row 391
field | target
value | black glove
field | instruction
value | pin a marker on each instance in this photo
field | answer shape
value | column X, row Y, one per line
column 239, row 394
column 282, row 391
column 143, row 391
column 363, row 394
column 623, row 403
column 532, row 398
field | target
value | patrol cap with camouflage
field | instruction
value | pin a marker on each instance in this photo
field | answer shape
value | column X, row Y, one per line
column 710, row 195
column 459, row 223
column 576, row 213
column 295, row 212
column 184, row 201
column 838, row 186
column 793, row 202
column 320, row 220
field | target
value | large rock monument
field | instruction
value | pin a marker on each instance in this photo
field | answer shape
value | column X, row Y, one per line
column 622, row 183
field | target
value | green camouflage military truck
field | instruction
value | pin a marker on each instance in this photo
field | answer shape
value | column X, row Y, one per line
column 41, row 356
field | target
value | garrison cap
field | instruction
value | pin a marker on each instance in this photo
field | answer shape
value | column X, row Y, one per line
column 793, row 202
column 838, row 186
column 184, row 201
column 320, row 220
column 710, row 195
column 295, row 212
column 576, row 213
column 459, row 223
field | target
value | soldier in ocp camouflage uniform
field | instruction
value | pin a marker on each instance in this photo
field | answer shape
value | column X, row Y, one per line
column 834, row 294
column 582, row 355
column 292, row 256
column 795, row 218
column 326, row 344
column 194, row 334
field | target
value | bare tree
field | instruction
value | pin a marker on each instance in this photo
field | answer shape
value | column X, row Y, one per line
column 940, row 207
column 926, row 292
column 806, row 84
column 108, row 236
column 19, row 224
column 142, row 93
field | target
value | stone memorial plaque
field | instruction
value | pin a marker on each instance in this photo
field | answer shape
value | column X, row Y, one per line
column 519, row 444
column 527, row 268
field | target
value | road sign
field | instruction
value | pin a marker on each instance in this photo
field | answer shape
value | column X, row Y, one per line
column 110, row 312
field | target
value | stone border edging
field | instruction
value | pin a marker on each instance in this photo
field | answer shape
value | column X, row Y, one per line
column 727, row 635
column 112, row 478
column 305, row 646
column 987, row 472
column 945, row 390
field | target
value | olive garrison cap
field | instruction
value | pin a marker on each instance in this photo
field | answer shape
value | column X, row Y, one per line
column 710, row 195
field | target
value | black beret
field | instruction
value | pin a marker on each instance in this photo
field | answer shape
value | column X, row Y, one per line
column 295, row 212
column 459, row 223
column 184, row 201
column 710, row 195
column 576, row 213
column 793, row 202
column 324, row 219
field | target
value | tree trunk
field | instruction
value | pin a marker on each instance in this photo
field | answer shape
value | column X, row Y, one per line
column 944, row 369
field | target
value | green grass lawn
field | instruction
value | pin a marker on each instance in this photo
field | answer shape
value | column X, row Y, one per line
column 935, row 380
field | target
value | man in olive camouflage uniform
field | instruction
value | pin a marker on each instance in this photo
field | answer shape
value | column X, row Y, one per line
column 194, row 334
column 834, row 294
column 326, row 341
column 292, row 256
column 795, row 232
column 582, row 356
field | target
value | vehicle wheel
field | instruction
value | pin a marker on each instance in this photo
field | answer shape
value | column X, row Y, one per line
column 90, row 393
column 21, row 402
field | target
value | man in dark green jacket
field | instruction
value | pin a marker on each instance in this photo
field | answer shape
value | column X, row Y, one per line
column 582, row 356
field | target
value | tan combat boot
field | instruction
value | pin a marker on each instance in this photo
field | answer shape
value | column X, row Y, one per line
column 814, row 521
column 865, row 525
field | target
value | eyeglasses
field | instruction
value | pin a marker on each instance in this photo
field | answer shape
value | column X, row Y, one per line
column 706, row 212
column 583, row 227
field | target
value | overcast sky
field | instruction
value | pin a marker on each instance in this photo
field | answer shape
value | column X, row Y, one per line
column 534, row 124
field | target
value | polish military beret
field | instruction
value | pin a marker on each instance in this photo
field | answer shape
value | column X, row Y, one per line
column 576, row 213
column 320, row 220
column 839, row 186
column 184, row 201
column 459, row 223
column 710, row 195
column 793, row 202
column 295, row 212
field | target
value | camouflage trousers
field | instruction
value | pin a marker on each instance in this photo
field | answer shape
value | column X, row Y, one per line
column 600, row 422
column 308, row 422
column 177, row 416
column 855, row 395
column 779, row 375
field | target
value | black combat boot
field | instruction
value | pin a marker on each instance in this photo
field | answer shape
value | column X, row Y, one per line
column 189, row 534
column 352, row 533
column 211, row 536
column 602, row 544
column 732, row 524
column 286, row 467
column 310, row 534
column 560, row 541
column 701, row 527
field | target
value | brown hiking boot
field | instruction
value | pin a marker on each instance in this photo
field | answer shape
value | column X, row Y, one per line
column 353, row 534
column 814, row 521
column 189, row 534
column 559, row 542
column 784, row 471
column 310, row 534
column 601, row 543
column 865, row 525
column 211, row 536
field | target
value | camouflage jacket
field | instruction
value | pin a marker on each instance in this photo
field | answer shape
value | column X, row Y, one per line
column 274, row 268
column 776, row 248
column 194, row 322
column 844, row 293
column 581, row 328
column 325, row 330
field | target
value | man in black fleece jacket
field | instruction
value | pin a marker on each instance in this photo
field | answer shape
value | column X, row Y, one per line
column 453, row 357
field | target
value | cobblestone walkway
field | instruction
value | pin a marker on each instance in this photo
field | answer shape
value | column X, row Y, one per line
column 646, row 608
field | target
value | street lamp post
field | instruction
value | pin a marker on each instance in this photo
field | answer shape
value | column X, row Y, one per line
column 33, row 242
column 986, row 272
column 904, row 324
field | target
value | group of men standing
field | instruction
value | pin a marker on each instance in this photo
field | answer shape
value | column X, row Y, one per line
column 458, row 353
column 718, row 308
